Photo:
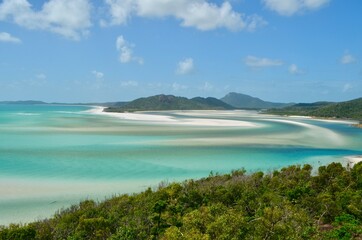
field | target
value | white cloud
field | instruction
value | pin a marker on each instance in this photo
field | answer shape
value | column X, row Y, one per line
column 291, row 7
column 346, row 87
column 6, row 37
column 126, row 51
column 97, row 74
column 197, row 13
column 185, row 66
column 69, row 18
column 120, row 10
column 254, row 22
column 177, row 87
column 41, row 76
column 255, row 62
column 129, row 84
column 347, row 59
column 293, row 69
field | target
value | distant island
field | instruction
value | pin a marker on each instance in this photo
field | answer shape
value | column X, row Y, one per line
column 26, row 102
column 243, row 101
column 171, row 102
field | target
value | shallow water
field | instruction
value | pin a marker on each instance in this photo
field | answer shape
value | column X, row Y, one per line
column 53, row 156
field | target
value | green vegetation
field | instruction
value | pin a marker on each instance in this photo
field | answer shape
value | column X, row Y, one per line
column 344, row 110
column 239, row 100
column 287, row 204
column 351, row 109
column 212, row 102
column 170, row 102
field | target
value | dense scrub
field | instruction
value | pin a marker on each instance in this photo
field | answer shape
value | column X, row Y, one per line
column 287, row 204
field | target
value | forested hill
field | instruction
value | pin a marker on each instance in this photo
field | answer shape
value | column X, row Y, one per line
column 212, row 102
column 287, row 204
column 239, row 100
column 347, row 110
column 170, row 102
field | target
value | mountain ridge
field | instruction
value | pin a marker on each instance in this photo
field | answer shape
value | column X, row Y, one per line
column 170, row 102
column 243, row 101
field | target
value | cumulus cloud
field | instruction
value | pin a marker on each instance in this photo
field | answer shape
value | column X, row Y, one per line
column 347, row 59
column 294, row 69
column 126, row 51
column 129, row 83
column 199, row 14
column 120, row 11
column 291, row 7
column 255, row 62
column 97, row 74
column 69, row 18
column 254, row 22
column 185, row 66
column 6, row 37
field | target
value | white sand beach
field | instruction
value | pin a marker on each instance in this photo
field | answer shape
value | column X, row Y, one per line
column 352, row 160
column 163, row 119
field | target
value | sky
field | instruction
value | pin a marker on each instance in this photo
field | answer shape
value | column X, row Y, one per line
column 120, row 50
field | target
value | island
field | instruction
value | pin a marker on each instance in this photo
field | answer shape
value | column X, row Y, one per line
column 170, row 102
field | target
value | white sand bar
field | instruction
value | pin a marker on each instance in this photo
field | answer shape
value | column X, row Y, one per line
column 169, row 120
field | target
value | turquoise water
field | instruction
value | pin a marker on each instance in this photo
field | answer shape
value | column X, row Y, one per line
column 52, row 156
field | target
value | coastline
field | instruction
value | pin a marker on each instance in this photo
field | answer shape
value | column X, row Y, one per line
column 352, row 160
column 351, row 122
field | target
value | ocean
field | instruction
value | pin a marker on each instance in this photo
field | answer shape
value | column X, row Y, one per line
column 52, row 156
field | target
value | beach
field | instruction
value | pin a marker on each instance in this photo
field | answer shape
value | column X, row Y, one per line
column 164, row 119
column 352, row 160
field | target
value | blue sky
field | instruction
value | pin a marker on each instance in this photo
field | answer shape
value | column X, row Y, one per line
column 117, row 50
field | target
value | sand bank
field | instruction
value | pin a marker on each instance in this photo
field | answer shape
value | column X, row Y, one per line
column 169, row 120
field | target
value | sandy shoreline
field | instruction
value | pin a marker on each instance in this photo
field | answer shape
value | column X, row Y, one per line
column 163, row 119
column 352, row 160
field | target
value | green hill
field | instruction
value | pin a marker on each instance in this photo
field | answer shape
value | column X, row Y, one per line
column 350, row 109
column 170, row 102
column 291, row 203
column 213, row 103
column 344, row 110
column 303, row 109
column 239, row 100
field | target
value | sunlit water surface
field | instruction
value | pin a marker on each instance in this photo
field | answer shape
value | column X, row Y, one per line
column 52, row 156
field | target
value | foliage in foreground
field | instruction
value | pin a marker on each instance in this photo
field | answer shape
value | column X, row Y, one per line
column 287, row 204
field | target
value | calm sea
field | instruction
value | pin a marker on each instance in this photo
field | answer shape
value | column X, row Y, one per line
column 52, row 156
